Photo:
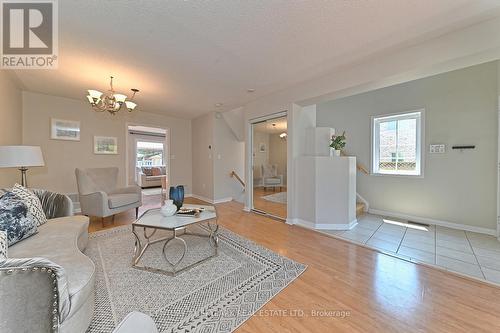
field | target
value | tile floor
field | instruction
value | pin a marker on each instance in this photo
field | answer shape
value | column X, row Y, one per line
column 469, row 253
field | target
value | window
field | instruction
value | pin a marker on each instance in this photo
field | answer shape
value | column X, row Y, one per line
column 396, row 144
column 149, row 153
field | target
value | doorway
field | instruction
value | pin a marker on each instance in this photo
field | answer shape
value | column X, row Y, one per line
column 269, row 167
column 148, row 160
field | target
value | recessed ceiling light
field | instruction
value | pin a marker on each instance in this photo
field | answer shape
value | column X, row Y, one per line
column 250, row 90
column 218, row 105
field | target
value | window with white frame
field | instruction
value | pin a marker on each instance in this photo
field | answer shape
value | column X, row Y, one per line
column 396, row 144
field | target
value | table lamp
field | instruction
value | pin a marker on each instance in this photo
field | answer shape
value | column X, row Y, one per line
column 21, row 157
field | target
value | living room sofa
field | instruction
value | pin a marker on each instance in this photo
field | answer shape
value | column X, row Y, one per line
column 47, row 283
column 150, row 176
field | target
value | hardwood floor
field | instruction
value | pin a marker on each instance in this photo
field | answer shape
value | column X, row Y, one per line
column 273, row 208
column 379, row 292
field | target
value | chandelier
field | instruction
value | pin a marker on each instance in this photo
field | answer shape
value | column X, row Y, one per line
column 111, row 102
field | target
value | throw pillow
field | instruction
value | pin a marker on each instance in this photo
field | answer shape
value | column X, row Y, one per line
column 33, row 203
column 147, row 171
column 156, row 171
column 3, row 245
column 15, row 218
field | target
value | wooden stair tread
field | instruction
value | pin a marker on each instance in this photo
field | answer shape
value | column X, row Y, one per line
column 360, row 209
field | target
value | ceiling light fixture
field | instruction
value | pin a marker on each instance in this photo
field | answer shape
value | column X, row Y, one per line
column 218, row 105
column 250, row 90
column 112, row 102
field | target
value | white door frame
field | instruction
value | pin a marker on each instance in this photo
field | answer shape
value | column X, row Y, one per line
column 166, row 146
column 249, row 165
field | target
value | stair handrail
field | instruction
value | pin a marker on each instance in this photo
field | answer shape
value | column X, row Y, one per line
column 359, row 166
column 238, row 178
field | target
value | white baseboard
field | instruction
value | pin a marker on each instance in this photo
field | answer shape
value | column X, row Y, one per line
column 218, row 201
column 440, row 223
column 359, row 198
column 246, row 209
column 324, row 226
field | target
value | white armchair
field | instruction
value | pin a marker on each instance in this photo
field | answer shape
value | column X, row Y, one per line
column 270, row 177
column 100, row 196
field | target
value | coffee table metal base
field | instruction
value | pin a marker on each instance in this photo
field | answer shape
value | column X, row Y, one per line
column 140, row 249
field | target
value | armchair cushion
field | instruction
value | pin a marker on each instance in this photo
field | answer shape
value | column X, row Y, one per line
column 120, row 200
column 31, row 200
column 15, row 218
column 272, row 181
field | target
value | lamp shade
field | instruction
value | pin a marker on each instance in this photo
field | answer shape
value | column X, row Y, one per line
column 20, row 156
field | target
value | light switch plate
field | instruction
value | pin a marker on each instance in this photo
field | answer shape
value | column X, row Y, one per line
column 437, row 149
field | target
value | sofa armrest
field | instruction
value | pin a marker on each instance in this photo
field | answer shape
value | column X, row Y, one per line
column 136, row 322
column 94, row 204
column 34, row 295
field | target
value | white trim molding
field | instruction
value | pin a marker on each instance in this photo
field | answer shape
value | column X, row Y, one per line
column 211, row 201
column 359, row 198
column 440, row 223
column 324, row 226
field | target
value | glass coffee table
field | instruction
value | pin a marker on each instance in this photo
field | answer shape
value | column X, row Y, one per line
column 177, row 225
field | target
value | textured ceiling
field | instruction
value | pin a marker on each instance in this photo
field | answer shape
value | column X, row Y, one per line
column 185, row 56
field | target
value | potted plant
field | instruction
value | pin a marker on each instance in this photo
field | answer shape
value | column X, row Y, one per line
column 337, row 144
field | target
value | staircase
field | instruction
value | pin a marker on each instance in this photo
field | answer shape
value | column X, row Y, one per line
column 360, row 209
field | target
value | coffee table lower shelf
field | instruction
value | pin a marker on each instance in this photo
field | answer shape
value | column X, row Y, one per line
column 139, row 249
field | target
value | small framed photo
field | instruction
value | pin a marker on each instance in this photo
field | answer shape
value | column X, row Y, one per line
column 262, row 147
column 106, row 145
column 61, row 129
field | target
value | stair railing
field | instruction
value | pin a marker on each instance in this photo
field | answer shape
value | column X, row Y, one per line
column 233, row 174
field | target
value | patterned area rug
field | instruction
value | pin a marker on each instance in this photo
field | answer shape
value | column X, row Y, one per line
column 216, row 296
column 276, row 197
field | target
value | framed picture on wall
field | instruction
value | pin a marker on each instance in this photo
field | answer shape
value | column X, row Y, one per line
column 61, row 129
column 262, row 147
column 106, row 145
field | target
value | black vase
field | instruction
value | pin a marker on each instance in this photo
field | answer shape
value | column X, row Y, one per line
column 177, row 195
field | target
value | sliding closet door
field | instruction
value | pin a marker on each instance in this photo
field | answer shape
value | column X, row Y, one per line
column 269, row 153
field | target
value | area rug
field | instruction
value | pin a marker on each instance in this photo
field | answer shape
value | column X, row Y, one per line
column 276, row 197
column 215, row 296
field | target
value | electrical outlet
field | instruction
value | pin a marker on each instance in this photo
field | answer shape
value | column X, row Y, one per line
column 437, row 149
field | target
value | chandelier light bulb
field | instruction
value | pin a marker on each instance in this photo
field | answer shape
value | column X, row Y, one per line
column 111, row 102
column 130, row 105
column 120, row 98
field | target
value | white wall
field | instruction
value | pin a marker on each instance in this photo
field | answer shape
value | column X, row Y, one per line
column 10, row 123
column 460, row 108
column 62, row 157
column 259, row 158
column 229, row 156
column 472, row 45
column 277, row 153
column 203, row 166
column 212, row 166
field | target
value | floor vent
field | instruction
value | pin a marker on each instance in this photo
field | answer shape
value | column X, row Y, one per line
column 418, row 223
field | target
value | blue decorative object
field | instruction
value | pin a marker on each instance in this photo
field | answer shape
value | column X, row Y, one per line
column 15, row 218
column 177, row 195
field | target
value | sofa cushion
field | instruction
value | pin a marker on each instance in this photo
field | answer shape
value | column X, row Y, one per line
column 56, row 240
column 155, row 171
column 273, row 181
column 3, row 245
column 15, row 218
column 120, row 200
column 33, row 203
